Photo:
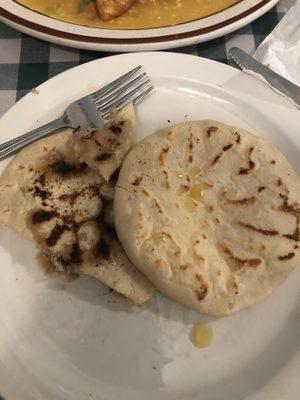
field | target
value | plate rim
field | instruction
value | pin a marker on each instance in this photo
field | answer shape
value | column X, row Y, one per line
column 163, row 41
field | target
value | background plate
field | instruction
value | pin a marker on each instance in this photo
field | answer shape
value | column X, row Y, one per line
column 67, row 34
column 77, row 341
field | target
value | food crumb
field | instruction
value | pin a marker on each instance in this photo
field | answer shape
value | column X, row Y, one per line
column 169, row 120
column 35, row 91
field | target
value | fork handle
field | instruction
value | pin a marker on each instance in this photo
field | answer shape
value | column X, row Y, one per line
column 8, row 148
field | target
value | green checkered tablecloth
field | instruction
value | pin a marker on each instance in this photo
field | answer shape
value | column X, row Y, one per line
column 26, row 62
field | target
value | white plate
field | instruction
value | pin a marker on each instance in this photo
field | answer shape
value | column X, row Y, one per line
column 76, row 341
column 68, row 34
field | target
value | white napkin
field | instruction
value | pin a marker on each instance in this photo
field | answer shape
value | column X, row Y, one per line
column 281, row 49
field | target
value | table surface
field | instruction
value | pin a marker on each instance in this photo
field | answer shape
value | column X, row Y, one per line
column 26, row 62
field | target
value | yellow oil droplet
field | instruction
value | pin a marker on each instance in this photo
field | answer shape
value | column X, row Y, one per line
column 201, row 335
column 196, row 193
column 159, row 239
column 190, row 204
column 179, row 174
column 195, row 171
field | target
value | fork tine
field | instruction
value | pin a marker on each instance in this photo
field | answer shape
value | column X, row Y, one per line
column 121, row 99
column 114, row 84
column 102, row 103
column 142, row 96
column 117, row 88
column 135, row 99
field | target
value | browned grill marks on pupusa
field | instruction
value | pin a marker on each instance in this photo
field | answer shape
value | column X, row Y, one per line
column 177, row 253
column 296, row 234
column 166, row 175
column 241, row 202
column 108, row 234
column 199, row 278
column 68, row 222
column 238, row 138
column 191, row 140
column 56, row 234
column 245, row 171
column 240, row 262
column 286, row 257
column 158, row 206
column 210, row 130
column 38, row 192
column 162, row 154
column 61, row 167
column 103, row 157
column 266, row 232
column 167, row 235
column 137, row 181
column 40, row 180
column 90, row 191
column 144, row 191
column 191, row 145
column 227, row 147
column 113, row 142
column 71, row 198
column 184, row 267
column 294, row 210
column 202, row 292
column 63, row 197
column 218, row 156
column 261, row 188
column 40, row 216
column 116, row 129
column 279, row 182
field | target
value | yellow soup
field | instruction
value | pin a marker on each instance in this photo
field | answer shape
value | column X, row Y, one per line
column 163, row 13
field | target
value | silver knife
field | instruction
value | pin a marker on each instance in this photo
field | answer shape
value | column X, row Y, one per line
column 253, row 67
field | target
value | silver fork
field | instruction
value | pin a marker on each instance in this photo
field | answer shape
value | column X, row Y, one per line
column 91, row 110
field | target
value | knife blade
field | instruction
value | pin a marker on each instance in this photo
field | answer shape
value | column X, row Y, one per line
column 253, row 67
